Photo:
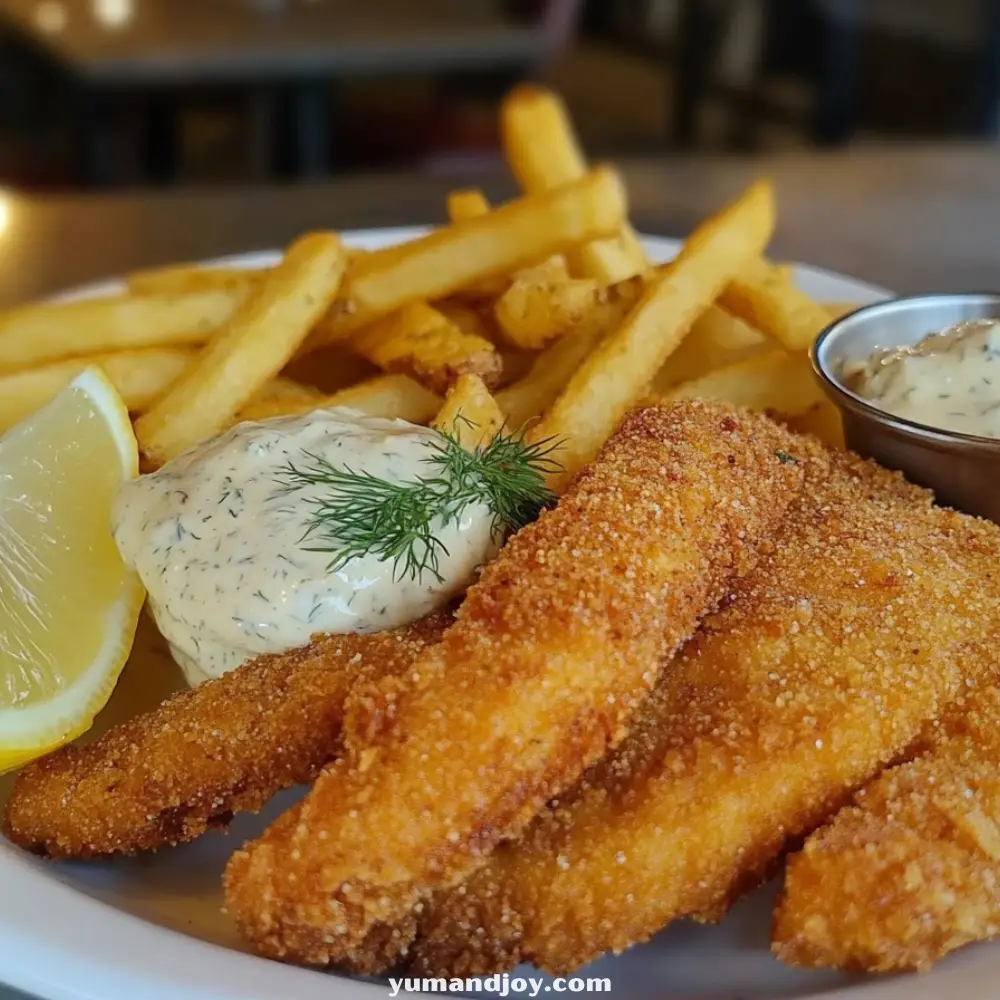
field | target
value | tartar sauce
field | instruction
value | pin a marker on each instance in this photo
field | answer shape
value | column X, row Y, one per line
column 219, row 545
column 949, row 380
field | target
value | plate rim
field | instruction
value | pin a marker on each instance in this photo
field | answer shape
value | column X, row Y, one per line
column 58, row 943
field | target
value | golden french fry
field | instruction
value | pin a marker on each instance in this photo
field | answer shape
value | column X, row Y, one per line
column 837, row 310
column 452, row 258
column 283, row 387
column 280, row 397
column 248, row 351
column 823, row 421
column 139, row 376
column 393, row 397
column 467, row 203
column 717, row 339
column 543, row 154
column 44, row 332
column 330, row 369
column 468, row 318
column 767, row 298
column 470, row 413
column 471, row 203
column 776, row 381
column 421, row 342
column 516, row 365
column 552, row 369
column 543, row 303
column 186, row 279
column 617, row 373
column 531, row 395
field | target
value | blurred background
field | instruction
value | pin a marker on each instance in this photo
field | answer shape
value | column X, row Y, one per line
column 120, row 93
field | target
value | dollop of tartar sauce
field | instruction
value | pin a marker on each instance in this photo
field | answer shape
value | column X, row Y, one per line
column 949, row 380
column 220, row 548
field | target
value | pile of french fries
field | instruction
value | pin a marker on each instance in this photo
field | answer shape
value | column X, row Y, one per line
column 542, row 313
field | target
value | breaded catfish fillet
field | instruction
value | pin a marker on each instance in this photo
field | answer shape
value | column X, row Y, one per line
column 912, row 870
column 871, row 615
column 551, row 652
column 223, row 748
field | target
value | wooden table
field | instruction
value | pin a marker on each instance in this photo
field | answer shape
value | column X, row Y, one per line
column 913, row 219
column 271, row 51
column 143, row 42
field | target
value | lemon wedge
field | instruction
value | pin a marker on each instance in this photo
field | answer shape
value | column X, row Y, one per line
column 68, row 604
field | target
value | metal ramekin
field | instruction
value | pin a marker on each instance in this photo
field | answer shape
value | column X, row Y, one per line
column 963, row 470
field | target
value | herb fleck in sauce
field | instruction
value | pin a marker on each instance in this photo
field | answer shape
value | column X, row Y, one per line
column 220, row 546
column 950, row 380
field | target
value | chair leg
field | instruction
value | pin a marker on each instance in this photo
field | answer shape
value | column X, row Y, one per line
column 93, row 140
column 986, row 108
column 835, row 113
column 161, row 139
column 700, row 26
column 312, row 111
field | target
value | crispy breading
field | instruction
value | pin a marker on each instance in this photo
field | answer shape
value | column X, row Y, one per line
column 551, row 652
column 870, row 616
column 912, row 870
column 222, row 748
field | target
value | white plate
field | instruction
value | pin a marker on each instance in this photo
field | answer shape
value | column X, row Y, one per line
column 152, row 927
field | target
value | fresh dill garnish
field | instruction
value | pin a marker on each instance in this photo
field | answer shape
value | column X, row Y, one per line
column 358, row 514
column 785, row 458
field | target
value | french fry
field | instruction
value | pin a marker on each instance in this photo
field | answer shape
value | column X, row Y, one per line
column 822, row 420
column 393, row 397
column 516, row 365
column 468, row 318
column 248, row 351
column 470, row 413
column 544, row 302
column 467, row 203
column 452, row 258
column 278, row 398
column 552, row 369
column 38, row 334
column 776, row 382
column 421, row 342
column 767, row 298
column 544, row 154
column 717, row 339
column 838, row 310
column 283, row 388
column 471, row 203
column 139, row 376
column 187, row 279
column 617, row 373
column 330, row 369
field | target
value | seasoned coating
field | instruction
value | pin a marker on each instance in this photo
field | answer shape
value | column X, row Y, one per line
column 872, row 614
column 551, row 652
column 225, row 747
column 912, row 871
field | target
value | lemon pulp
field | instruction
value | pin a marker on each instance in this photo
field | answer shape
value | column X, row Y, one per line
column 68, row 604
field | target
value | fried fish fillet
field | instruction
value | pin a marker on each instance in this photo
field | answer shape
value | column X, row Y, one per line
column 222, row 748
column 912, row 870
column 551, row 652
column 870, row 616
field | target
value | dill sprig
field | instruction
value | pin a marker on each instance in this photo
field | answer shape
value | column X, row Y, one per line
column 358, row 514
